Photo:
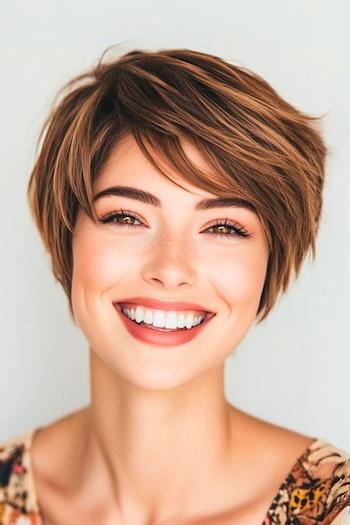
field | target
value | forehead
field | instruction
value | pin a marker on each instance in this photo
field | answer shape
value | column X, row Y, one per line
column 128, row 165
column 128, row 173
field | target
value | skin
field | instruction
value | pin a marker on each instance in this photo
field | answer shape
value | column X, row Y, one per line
column 159, row 443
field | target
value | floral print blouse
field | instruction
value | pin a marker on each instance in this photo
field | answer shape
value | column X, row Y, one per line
column 316, row 490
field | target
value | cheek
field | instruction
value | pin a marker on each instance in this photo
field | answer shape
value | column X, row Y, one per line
column 241, row 277
column 96, row 267
column 99, row 263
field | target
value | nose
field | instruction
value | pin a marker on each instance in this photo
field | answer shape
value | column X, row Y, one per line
column 171, row 262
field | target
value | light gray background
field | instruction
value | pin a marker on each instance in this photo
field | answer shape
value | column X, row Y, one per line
column 294, row 369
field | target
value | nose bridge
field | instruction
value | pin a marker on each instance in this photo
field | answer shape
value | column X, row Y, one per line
column 171, row 258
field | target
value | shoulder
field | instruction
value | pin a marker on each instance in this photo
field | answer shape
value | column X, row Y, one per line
column 317, row 488
column 16, row 494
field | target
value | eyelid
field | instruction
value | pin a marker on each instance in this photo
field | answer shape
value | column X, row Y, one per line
column 121, row 211
column 138, row 217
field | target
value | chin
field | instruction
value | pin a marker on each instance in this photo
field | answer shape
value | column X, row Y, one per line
column 145, row 369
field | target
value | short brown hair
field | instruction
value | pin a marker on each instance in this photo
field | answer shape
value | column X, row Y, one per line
column 259, row 146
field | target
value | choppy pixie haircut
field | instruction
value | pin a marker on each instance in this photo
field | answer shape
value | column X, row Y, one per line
column 259, row 147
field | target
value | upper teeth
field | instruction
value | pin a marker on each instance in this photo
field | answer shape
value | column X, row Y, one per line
column 163, row 319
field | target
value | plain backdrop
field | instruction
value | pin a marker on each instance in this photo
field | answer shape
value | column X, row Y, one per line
column 293, row 369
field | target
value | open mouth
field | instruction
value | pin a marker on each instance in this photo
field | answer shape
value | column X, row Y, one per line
column 208, row 315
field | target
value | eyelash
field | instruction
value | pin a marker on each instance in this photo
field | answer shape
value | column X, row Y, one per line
column 238, row 230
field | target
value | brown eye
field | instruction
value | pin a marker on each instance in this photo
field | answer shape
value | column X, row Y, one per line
column 236, row 230
column 117, row 218
column 114, row 216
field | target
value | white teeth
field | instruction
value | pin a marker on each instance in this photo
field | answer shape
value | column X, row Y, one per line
column 159, row 319
column 147, row 317
column 139, row 315
column 181, row 320
column 189, row 320
column 162, row 319
column 167, row 321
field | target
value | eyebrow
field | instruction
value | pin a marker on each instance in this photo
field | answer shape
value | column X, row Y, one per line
column 149, row 198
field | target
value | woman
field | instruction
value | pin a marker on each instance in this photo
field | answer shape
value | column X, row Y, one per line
column 176, row 194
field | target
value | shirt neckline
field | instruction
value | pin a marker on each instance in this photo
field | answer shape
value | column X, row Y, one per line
column 313, row 444
column 29, row 436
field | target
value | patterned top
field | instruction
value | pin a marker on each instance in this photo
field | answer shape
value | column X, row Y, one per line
column 316, row 490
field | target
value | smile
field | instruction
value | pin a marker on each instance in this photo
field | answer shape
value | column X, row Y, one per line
column 159, row 319
column 162, row 328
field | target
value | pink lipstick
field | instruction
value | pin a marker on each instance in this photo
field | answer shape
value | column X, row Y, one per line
column 161, row 336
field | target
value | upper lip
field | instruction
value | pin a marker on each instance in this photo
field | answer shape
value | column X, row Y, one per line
column 162, row 305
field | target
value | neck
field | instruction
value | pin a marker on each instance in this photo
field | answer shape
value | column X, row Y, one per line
column 155, row 452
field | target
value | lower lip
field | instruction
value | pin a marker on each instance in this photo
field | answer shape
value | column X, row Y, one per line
column 157, row 336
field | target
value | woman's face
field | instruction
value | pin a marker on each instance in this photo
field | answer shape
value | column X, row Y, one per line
column 172, row 253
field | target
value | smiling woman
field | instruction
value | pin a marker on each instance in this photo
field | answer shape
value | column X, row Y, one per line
column 170, row 243
column 177, row 194
column 256, row 145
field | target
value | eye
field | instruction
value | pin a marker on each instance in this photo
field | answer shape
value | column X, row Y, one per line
column 234, row 230
column 114, row 216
